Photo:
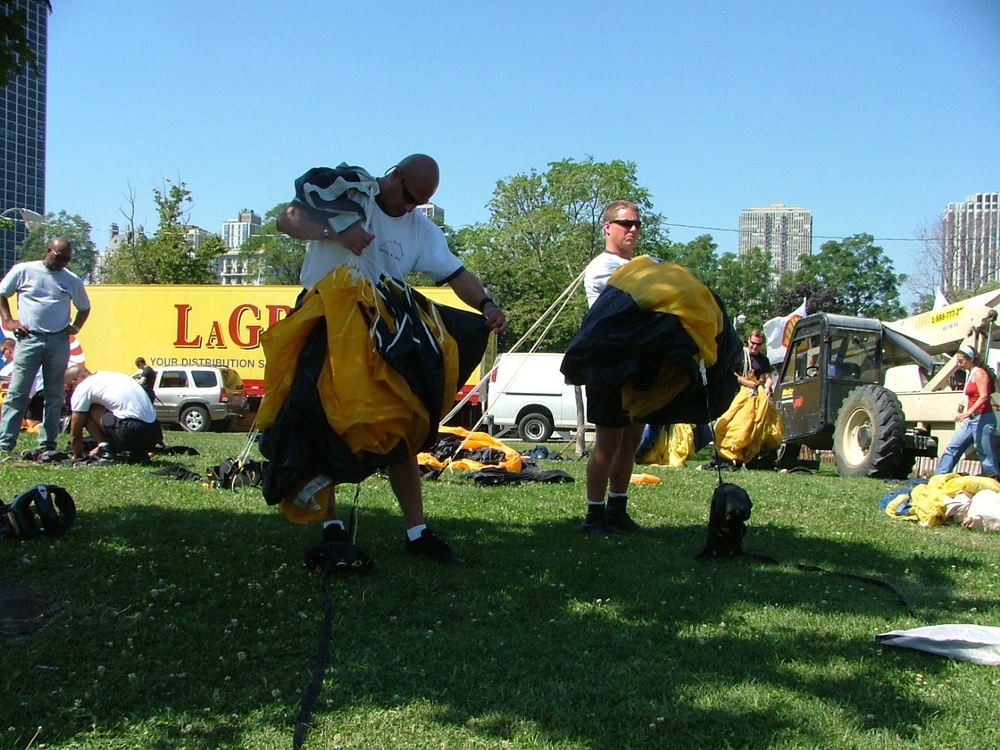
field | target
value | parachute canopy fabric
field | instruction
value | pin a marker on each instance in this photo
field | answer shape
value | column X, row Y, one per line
column 751, row 425
column 979, row 644
column 357, row 379
column 647, row 333
column 666, row 445
column 460, row 450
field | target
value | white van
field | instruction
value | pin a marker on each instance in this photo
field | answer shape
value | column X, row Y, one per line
column 528, row 392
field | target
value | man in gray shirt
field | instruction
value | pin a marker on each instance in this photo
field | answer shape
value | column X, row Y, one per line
column 45, row 289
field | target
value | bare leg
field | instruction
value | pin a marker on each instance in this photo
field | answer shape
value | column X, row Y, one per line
column 404, row 478
column 623, row 460
column 93, row 423
column 602, row 460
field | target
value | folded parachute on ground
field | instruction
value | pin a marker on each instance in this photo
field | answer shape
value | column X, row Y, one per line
column 457, row 449
column 648, row 333
column 357, row 378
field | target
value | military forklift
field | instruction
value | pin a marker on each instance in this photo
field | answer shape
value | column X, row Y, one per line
column 879, row 395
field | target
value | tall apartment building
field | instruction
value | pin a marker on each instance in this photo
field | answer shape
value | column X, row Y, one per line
column 22, row 138
column 972, row 240
column 237, row 231
column 196, row 236
column 229, row 267
column 784, row 231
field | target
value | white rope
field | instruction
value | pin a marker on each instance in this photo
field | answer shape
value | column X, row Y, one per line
column 555, row 310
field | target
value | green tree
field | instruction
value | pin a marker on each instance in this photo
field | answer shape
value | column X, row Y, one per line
column 15, row 52
column 168, row 257
column 818, row 299
column 275, row 257
column 73, row 228
column 745, row 283
column 858, row 273
column 543, row 230
column 700, row 256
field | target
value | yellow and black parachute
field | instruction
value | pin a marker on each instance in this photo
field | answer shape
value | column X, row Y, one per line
column 357, row 378
column 648, row 333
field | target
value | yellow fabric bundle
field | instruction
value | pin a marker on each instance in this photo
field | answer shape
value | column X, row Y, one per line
column 751, row 424
column 666, row 287
column 366, row 402
column 472, row 441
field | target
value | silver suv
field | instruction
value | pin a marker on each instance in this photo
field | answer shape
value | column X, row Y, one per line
column 195, row 397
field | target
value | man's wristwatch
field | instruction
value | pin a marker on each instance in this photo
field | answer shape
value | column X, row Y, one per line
column 484, row 302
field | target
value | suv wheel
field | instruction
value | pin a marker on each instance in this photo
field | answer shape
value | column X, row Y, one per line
column 195, row 418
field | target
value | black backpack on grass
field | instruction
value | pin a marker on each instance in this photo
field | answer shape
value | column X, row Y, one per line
column 44, row 509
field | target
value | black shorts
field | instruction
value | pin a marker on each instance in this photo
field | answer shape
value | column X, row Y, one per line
column 604, row 407
column 130, row 435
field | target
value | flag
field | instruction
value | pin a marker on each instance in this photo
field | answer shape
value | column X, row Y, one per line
column 939, row 299
column 778, row 333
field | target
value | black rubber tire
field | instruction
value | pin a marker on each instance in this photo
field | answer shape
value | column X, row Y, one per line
column 195, row 418
column 905, row 466
column 869, row 433
column 535, row 427
column 788, row 456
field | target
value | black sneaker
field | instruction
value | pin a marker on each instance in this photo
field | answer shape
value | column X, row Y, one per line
column 432, row 547
column 623, row 522
column 597, row 526
column 618, row 518
column 335, row 533
column 336, row 553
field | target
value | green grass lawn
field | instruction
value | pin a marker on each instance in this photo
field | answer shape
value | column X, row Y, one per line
column 184, row 619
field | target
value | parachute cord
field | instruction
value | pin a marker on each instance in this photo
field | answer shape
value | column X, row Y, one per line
column 325, row 634
column 708, row 410
column 352, row 519
column 319, row 669
column 555, row 309
column 563, row 298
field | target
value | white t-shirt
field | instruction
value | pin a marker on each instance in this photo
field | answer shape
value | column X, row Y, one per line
column 117, row 393
column 598, row 271
column 43, row 295
column 402, row 244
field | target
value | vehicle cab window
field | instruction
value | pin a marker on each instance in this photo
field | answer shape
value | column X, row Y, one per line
column 204, row 378
column 173, row 379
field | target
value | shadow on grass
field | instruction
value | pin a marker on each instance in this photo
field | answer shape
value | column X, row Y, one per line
column 201, row 628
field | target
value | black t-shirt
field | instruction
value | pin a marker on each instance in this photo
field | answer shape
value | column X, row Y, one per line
column 146, row 380
column 760, row 365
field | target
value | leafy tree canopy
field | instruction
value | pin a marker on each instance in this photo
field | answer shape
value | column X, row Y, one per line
column 543, row 230
column 744, row 282
column 73, row 228
column 168, row 257
column 855, row 273
column 275, row 257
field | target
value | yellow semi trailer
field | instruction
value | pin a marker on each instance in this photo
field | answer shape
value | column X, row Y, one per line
column 195, row 325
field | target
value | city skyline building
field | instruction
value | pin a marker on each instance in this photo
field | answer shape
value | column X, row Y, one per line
column 972, row 241
column 237, row 231
column 784, row 231
column 23, row 104
column 229, row 267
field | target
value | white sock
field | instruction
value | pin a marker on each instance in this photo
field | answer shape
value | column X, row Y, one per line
column 413, row 534
column 336, row 521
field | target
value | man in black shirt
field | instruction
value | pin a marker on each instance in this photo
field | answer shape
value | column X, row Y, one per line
column 146, row 378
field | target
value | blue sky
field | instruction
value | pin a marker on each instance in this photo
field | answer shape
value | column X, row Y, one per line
column 874, row 115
